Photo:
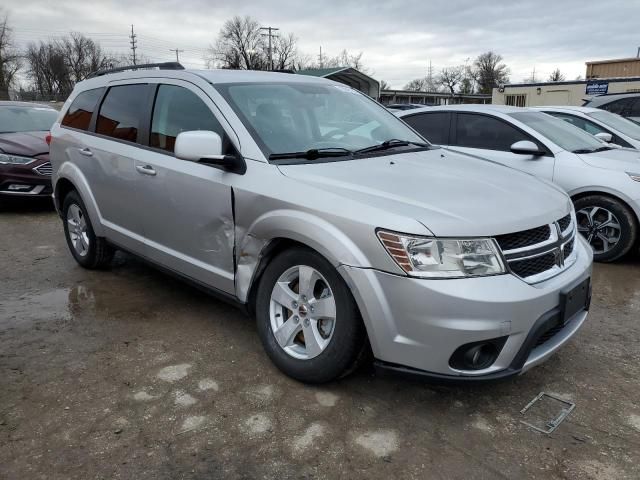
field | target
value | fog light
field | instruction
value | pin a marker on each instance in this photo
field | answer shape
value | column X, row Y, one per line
column 18, row 187
column 477, row 355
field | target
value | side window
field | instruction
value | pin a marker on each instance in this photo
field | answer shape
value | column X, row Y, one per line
column 432, row 126
column 481, row 131
column 176, row 110
column 579, row 122
column 81, row 109
column 621, row 106
column 122, row 111
column 634, row 109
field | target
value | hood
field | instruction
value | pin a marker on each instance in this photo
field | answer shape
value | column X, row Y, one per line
column 625, row 159
column 28, row 144
column 451, row 194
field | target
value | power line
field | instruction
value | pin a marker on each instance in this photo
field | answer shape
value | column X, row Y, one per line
column 270, row 35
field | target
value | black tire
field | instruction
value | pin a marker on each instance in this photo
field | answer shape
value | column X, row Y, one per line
column 99, row 254
column 626, row 218
column 347, row 345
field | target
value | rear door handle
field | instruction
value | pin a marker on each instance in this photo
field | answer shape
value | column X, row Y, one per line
column 145, row 170
column 86, row 152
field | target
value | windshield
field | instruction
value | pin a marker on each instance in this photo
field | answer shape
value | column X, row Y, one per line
column 621, row 124
column 26, row 119
column 563, row 134
column 298, row 117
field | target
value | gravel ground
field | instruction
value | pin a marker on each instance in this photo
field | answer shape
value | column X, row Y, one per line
column 129, row 373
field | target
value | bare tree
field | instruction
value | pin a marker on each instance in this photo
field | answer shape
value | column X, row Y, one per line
column 450, row 77
column 384, row 85
column 285, row 52
column 346, row 59
column 417, row 85
column 556, row 76
column 239, row 45
column 82, row 56
column 489, row 71
column 10, row 59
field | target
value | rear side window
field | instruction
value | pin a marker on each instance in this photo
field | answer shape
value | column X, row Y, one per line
column 122, row 111
column 481, row 131
column 579, row 122
column 176, row 110
column 81, row 109
column 621, row 106
column 432, row 126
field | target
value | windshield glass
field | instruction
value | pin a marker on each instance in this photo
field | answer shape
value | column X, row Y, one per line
column 26, row 119
column 297, row 117
column 621, row 124
column 562, row 133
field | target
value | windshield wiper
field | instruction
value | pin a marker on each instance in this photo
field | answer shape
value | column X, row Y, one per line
column 603, row 148
column 313, row 153
column 392, row 143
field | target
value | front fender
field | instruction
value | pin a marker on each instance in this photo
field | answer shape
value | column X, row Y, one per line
column 306, row 228
column 73, row 174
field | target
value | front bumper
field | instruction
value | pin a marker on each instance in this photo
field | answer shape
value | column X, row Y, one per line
column 32, row 180
column 415, row 325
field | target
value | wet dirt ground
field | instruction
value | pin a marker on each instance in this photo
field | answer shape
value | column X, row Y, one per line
column 129, row 373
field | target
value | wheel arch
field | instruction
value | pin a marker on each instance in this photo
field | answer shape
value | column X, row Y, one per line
column 69, row 178
column 613, row 195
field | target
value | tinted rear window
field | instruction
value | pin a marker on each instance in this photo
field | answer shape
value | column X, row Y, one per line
column 481, row 131
column 81, row 109
column 432, row 126
column 122, row 111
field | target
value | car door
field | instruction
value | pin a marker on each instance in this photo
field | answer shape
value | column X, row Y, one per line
column 110, row 169
column 188, row 221
column 434, row 126
column 491, row 137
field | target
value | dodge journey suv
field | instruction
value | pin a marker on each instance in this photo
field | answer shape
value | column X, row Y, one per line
column 327, row 217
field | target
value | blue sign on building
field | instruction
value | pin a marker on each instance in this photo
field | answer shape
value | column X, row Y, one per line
column 597, row 88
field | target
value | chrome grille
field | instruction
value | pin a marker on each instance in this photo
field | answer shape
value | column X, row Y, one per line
column 44, row 169
column 542, row 252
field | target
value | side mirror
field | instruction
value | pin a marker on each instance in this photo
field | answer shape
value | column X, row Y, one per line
column 526, row 147
column 604, row 136
column 203, row 146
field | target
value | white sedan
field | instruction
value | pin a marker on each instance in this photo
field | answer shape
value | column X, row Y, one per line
column 607, row 126
column 603, row 182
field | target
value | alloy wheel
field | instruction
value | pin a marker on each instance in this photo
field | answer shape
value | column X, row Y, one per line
column 77, row 227
column 600, row 227
column 302, row 312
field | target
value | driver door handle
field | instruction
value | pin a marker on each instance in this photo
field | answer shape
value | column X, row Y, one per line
column 146, row 170
column 86, row 152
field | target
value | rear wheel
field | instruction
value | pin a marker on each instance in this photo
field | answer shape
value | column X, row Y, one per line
column 88, row 250
column 307, row 318
column 609, row 226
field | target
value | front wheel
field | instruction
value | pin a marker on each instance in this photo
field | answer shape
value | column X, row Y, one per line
column 89, row 250
column 307, row 318
column 609, row 226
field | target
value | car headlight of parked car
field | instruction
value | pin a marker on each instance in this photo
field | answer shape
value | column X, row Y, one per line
column 428, row 257
column 7, row 159
column 634, row 176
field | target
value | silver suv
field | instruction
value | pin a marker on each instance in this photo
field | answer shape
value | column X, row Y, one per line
column 326, row 216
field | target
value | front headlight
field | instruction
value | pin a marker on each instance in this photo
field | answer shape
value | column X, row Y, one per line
column 443, row 258
column 7, row 159
column 634, row 176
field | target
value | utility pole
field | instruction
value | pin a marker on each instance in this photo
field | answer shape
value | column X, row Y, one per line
column 134, row 45
column 177, row 52
column 430, row 76
column 321, row 58
column 270, row 34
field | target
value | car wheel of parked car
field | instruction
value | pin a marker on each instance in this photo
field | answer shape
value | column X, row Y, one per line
column 89, row 250
column 608, row 225
column 307, row 318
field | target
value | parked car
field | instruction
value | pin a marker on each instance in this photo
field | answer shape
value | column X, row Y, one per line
column 624, row 104
column 404, row 106
column 336, row 234
column 602, row 181
column 607, row 126
column 24, row 154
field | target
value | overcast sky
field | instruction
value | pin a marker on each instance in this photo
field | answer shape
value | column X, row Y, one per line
column 397, row 37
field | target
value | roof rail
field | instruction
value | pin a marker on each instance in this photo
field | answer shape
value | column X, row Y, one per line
column 144, row 66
